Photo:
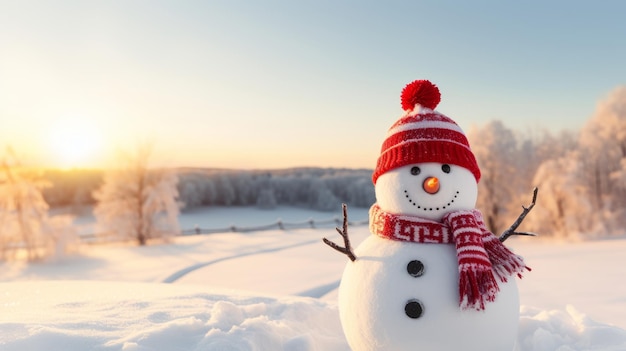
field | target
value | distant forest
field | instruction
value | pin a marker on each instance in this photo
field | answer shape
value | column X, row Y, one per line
column 315, row 188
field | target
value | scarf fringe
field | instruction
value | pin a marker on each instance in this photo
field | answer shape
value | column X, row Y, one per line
column 477, row 285
column 504, row 262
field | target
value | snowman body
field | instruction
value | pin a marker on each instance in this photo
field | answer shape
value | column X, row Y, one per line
column 404, row 296
column 376, row 288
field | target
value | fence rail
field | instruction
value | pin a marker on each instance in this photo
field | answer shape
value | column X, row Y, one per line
column 94, row 238
column 279, row 224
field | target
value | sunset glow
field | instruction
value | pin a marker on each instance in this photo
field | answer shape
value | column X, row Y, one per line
column 74, row 142
column 231, row 84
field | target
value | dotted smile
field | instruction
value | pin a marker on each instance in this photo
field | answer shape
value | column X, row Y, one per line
column 406, row 194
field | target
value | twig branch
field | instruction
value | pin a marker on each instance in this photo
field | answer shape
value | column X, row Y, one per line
column 347, row 248
column 511, row 231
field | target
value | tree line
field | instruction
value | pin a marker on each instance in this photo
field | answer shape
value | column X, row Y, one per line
column 308, row 187
column 315, row 188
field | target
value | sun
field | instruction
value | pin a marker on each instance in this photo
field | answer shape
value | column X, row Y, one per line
column 74, row 142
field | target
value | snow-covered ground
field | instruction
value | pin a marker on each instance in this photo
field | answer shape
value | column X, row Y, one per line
column 274, row 290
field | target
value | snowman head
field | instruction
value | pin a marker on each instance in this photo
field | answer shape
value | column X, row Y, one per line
column 428, row 190
column 426, row 167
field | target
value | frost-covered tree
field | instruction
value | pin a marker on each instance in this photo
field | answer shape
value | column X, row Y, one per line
column 361, row 192
column 603, row 155
column 536, row 147
column 136, row 202
column 286, row 189
column 495, row 148
column 619, row 176
column 565, row 209
column 196, row 189
column 226, row 195
column 24, row 221
column 247, row 186
column 190, row 193
column 322, row 198
column 266, row 198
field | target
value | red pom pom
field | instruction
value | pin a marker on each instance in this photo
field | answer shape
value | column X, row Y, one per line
column 421, row 92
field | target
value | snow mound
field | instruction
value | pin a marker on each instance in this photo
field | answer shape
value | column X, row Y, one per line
column 91, row 315
column 87, row 315
column 568, row 330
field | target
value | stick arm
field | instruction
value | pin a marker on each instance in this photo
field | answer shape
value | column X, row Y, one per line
column 347, row 248
column 511, row 231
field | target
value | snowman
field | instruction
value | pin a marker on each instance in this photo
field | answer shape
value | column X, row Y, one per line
column 431, row 276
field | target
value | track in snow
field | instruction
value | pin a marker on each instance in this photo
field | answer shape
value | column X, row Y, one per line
column 320, row 290
column 181, row 273
column 307, row 268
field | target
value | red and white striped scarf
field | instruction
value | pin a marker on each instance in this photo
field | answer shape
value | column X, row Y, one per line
column 480, row 254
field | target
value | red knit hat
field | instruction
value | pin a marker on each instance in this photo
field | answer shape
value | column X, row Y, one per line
column 424, row 135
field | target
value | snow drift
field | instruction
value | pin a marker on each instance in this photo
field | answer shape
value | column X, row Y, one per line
column 87, row 315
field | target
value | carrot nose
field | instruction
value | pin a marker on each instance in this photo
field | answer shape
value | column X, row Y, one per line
column 431, row 185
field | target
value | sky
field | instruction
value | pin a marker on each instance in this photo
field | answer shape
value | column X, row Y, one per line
column 274, row 84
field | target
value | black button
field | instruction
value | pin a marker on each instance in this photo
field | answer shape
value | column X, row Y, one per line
column 415, row 268
column 414, row 309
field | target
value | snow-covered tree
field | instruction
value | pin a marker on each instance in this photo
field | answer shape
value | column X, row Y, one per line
column 266, row 198
column 226, row 195
column 495, row 148
column 322, row 198
column 196, row 189
column 361, row 192
column 136, row 202
column 24, row 220
column 247, row 186
column 190, row 193
column 619, row 176
column 286, row 189
column 564, row 206
column 603, row 155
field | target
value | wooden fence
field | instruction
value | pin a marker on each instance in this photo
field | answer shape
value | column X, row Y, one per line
column 279, row 224
column 96, row 238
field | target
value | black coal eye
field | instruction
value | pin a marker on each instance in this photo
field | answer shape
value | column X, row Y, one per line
column 415, row 170
column 445, row 168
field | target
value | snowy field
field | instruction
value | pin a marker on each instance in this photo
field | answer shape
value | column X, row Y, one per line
column 274, row 290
